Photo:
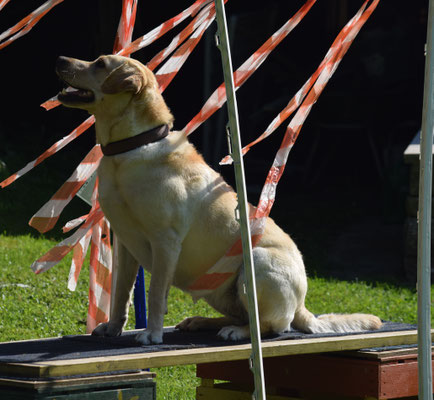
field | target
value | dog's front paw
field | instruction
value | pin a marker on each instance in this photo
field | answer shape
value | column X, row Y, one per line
column 192, row 324
column 234, row 332
column 149, row 337
column 110, row 329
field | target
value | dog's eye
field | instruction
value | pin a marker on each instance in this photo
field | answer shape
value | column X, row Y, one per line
column 100, row 63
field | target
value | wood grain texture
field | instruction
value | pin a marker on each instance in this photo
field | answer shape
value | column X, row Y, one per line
column 130, row 362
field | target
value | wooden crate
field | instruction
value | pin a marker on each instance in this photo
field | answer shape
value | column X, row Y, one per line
column 345, row 375
column 138, row 385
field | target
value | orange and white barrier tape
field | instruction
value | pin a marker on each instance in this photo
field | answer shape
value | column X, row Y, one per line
column 45, row 219
column 100, row 268
column 26, row 24
column 171, row 67
column 55, row 255
column 146, row 40
column 78, row 255
column 227, row 266
column 100, row 276
column 94, row 225
column 70, row 225
column 181, row 37
column 80, row 249
column 52, row 150
column 218, row 98
column 95, row 229
column 168, row 71
column 160, row 30
column 349, row 33
column 126, row 25
column 298, row 98
column 52, row 205
column 3, row 3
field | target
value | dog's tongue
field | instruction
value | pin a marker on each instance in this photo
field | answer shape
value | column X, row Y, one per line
column 71, row 93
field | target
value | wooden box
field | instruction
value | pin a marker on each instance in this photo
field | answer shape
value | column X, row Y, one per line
column 119, row 386
column 388, row 374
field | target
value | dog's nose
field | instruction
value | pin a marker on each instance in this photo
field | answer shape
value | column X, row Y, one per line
column 62, row 63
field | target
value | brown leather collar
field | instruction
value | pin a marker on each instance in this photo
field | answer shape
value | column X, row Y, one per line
column 122, row 146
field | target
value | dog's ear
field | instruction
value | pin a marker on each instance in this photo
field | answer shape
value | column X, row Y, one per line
column 125, row 78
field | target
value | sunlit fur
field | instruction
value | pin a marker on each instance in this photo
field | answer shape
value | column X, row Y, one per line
column 175, row 216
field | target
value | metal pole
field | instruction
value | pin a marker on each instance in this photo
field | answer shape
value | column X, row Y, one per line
column 242, row 210
column 424, row 228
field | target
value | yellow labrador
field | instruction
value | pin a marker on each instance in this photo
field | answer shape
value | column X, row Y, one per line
column 174, row 215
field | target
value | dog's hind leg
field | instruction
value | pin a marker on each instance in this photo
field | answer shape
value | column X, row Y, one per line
column 278, row 292
column 127, row 271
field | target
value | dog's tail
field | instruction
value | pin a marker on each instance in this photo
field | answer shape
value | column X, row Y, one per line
column 305, row 321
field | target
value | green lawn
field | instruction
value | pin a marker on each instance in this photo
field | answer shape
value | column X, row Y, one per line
column 36, row 306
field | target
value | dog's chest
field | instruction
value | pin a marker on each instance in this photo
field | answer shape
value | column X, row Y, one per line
column 140, row 196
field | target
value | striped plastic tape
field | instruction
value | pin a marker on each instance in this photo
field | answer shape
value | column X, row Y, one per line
column 227, row 266
column 26, row 24
column 218, row 98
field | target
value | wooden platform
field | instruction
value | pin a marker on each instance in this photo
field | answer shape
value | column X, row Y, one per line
column 143, row 360
column 382, row 374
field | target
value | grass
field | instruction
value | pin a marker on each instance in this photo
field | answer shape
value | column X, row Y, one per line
column 37, row 306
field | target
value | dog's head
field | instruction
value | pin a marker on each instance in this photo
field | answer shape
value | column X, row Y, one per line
column 93, row 83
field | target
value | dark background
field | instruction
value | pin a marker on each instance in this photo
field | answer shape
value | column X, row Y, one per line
column 347, row 163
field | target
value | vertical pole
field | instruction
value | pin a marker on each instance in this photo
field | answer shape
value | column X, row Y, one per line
column 140, row 300
column 424, row 228
column 242, row 210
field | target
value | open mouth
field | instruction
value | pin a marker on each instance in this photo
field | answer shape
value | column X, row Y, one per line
column 72, row 95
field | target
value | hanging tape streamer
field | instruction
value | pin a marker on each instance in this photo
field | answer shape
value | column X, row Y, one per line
column 277, row 36
column 136, row 45
column 26, row 24
column 45, row 219
column 146, row 40
column 218, row 98
column 3, row 3
column 100, row 276
column 298, row 98
column 52, row 150
column 55, row 255
column 227, row 266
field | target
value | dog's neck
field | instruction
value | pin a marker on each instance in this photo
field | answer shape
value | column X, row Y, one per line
column 130, row 118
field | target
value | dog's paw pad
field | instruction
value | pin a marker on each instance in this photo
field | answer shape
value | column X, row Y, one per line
column 149, row 337
column 232, row 332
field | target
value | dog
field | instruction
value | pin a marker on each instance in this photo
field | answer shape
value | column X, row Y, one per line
column 174, row 215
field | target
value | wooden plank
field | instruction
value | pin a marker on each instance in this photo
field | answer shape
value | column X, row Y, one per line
column 384, row 355
column 203, row 355
column 69, row 382
column 380, row 355
column 399, row 379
